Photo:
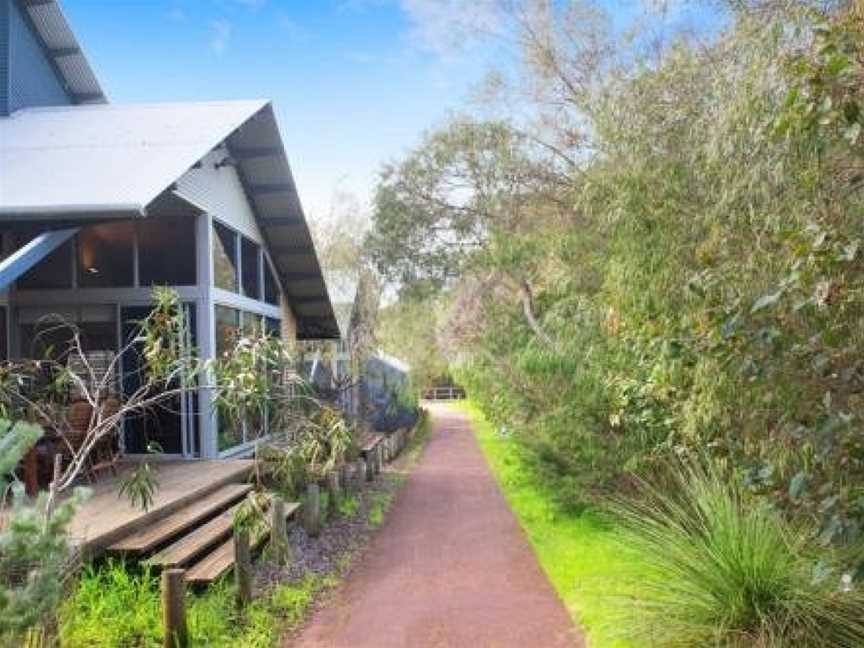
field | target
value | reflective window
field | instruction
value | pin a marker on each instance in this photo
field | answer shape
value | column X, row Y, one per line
column 250, row 256
column 224, row 258
column 54, row 271
column 227, row 321
column 251, row 325
column 271, row 288
column 106, row 255
column 227, row 328
column 272, row 327
column 166, row 251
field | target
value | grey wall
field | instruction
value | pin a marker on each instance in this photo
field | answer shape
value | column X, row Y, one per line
column 29, row 78
column 4, row 57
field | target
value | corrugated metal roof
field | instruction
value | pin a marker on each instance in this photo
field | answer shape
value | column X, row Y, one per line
column 63, row 49
column 80, row 159
column 78, row 162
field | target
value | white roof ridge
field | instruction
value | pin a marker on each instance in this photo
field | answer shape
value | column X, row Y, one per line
column 144, row 105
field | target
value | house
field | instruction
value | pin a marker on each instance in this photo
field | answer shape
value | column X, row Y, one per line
column 101, row 201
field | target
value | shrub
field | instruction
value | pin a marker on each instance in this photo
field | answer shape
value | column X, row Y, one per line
column 721, row 568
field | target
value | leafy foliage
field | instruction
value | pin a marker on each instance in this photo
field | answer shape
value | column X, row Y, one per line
column 33, row 544
column 681, row 269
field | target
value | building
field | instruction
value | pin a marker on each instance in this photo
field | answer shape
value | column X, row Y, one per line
column 101, row 201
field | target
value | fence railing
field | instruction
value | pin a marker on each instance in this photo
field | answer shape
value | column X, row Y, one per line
column 444, row 393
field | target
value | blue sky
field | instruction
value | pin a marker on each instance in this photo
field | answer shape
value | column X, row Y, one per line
column 354, row 82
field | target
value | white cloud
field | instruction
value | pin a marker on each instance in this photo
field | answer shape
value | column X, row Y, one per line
column 220, row 33
column 252, row 4
column 449, row 26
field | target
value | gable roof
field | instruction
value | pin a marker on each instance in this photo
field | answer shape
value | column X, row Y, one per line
column 82, row 161
column 63, row 50
column 77, row 163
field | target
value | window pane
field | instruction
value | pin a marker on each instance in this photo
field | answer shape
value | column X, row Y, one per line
column 227, row 328
column 166, row 251
column 249, row 255
column 54, row 271
column 4, row 334
column 227, row 322
column 271, row 291
column 105, row 255
column 224, row 258
column 251, row 324
column 272, row 327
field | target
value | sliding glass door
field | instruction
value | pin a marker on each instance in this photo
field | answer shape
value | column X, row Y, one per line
column 171, row 427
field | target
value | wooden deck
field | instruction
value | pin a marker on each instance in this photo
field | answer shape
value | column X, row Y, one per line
column 106, row 517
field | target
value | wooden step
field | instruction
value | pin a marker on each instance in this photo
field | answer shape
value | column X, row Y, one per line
column 191, row 545
column 217, row 562
column 221, row 559
column 175, row 523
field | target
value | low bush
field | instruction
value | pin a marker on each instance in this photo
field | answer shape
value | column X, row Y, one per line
column 722, row 568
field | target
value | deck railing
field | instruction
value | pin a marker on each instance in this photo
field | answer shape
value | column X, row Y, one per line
column 444, row 393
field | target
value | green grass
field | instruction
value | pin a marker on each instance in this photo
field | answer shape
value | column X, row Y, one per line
column 348, row 506
column 580, row 553
column 113, row 605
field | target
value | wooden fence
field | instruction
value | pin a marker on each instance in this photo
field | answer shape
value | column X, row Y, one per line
column 444, row 393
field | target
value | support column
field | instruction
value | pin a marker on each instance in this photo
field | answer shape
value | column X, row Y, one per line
column 206, row 333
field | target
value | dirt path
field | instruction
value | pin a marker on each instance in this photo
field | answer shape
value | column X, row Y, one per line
column 449, row 568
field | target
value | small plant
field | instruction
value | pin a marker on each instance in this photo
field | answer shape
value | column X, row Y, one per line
column 348, row 506
column 380, row 505
column 725, row 569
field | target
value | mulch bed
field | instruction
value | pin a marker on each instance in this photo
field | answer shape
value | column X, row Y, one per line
column 339, row 537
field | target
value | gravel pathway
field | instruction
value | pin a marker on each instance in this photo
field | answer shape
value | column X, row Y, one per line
column 450, row 567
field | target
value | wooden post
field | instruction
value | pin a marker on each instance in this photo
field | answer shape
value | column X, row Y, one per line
column 174, row 608
column 312, row 510
column 242, row 567
column 279, row 532
column 379, row 458
column 334, row 486
column 368, row 466
column 344, row 477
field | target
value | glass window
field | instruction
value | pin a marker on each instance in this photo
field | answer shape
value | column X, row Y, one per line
column 251, row 324
column 227, row 322
column 227, row 328
column 106, row 256
column 224, row 258
column 273, row 327
column 54, row 271
column 4, row 335
column 271, row 288
column 166, row 251
column 47, row 333
column 250, row 256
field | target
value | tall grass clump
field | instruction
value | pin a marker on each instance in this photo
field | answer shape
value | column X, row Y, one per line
column 722, row 568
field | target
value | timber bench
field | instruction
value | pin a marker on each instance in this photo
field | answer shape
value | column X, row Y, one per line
column 372, row 452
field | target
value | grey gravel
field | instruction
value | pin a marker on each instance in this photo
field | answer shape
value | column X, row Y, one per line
column 327, row 555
